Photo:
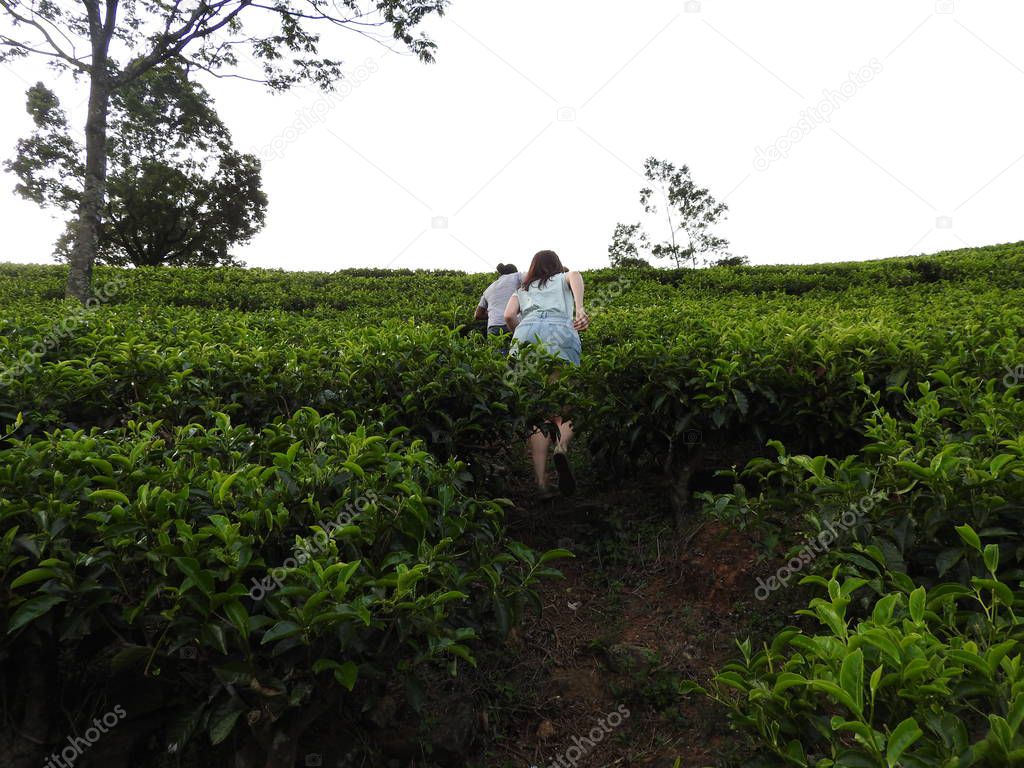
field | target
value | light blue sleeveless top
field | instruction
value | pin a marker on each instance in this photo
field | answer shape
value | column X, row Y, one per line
column 555, row 298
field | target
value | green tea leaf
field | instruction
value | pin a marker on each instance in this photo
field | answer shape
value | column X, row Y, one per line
column 969, row 537
column 903, row 737
column 31, row 610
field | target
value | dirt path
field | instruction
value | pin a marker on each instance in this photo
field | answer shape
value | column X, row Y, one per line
column 591, row 680
column 642, row 607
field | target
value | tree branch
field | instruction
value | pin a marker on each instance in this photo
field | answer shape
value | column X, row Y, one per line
column 169, row 46
column 320, row 16
column 56, row 51
column 348, row 24
column 110, row 22
column 221, row 75
column 9, row 43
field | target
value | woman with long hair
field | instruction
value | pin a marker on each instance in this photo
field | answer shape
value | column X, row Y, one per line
column 547, row 310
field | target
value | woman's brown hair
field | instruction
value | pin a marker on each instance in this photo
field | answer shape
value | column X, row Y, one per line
column 544, row 266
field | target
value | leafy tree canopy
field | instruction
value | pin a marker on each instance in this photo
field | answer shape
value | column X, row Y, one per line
column 178, row 193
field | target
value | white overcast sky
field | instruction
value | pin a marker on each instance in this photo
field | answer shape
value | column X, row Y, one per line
column 531, row 129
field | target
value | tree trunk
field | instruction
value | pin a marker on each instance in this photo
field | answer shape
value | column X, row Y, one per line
column 93, row 195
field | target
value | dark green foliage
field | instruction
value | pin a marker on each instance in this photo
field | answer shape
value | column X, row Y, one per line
column 166, row 447
column 919, row 671
column 178, row 193
column 256, row 579
column 927, row 678
column 628, row 241
column 917, row 659
column 47, row 163
column 732, row 261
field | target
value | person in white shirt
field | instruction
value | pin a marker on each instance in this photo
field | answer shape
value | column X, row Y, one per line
column 495, row 299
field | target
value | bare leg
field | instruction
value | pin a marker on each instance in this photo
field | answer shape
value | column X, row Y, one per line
column 566, row 481
column 538, row 444
column 565, row 434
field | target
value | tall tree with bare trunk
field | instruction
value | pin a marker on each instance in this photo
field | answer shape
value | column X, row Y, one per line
column 93, row 37
column 178, row 192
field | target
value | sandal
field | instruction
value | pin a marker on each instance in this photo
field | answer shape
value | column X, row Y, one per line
column 566, row 481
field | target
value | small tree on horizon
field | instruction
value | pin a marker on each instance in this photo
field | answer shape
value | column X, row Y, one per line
column 690, row 212
column 628, row 242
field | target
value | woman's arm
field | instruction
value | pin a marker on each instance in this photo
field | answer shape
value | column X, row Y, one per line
column 582, row 321
column 512, row 312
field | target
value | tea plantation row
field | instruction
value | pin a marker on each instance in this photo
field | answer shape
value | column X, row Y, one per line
column 284, row 478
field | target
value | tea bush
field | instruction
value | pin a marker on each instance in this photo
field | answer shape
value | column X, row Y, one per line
column 928, row 678
column 249, row 502
column 123, row 363
column 952, row 455
column 908, row 667
column 256, row 579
